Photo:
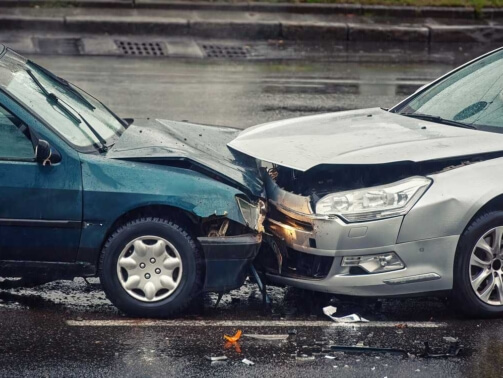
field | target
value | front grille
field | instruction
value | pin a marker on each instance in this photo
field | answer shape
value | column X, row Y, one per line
column 144, row 48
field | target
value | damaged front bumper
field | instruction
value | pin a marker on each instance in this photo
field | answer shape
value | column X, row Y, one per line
column 228, row 259
column 307, row 251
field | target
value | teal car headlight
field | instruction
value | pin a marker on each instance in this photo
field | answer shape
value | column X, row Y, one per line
column 373, row 203
column 253, row 214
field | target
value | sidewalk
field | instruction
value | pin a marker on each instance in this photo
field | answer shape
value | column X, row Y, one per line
column 231, row 22
column 258, row 6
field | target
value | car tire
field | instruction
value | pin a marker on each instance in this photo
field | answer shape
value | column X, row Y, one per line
column 466, row 269
column 130, row 253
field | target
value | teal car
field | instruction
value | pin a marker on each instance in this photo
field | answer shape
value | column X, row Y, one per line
column 161, row 211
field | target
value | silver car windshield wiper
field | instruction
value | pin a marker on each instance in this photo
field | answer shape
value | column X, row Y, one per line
column 437, row 119
column 65, row 108
column 64, row 83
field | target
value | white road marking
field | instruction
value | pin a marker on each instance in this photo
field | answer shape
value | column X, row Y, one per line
column 243, row 323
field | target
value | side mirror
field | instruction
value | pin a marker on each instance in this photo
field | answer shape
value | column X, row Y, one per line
column 44, row 153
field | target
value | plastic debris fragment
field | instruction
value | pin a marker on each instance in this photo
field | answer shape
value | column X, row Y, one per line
column 216, row 358
column 353, row 318
column 247, row 362
column 234, row 338
column 304, row 357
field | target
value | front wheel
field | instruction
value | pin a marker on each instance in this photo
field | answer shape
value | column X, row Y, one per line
column 151, row 267
column 478, row 270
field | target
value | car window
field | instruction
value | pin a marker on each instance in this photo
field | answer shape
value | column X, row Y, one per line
column 15, row 143
column 472, row 95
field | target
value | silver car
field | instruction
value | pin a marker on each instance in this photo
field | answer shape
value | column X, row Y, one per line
column 396, row 202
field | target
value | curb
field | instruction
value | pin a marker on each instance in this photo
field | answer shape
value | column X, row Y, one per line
column 262, row 30
column 309, row 8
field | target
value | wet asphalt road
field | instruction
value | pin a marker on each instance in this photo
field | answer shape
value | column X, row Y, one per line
column 70, row 329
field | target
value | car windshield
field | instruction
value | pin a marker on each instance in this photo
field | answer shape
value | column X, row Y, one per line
column 471, row 96
column 20, row 80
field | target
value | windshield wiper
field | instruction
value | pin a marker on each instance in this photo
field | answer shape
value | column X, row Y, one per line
column 64, row 83
column 437, row 119
column 52, row 98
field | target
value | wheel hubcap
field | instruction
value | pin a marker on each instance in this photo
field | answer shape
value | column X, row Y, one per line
column 486, row 274
column 149, row 268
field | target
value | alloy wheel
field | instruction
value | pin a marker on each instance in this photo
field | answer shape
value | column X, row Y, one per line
column 149, row 268
column 486, row 267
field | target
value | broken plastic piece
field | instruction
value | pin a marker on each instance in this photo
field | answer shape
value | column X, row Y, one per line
column 353, row 318
column 266, row 337
column 304, row 358
column 330, row 357
column 234, row 338
column 216, row 358
column 248, row 362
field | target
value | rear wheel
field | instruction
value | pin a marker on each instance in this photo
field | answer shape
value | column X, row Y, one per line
column 478, row 272
column 151, row 267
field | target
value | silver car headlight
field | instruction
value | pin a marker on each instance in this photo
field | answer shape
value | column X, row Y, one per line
column 378, row 202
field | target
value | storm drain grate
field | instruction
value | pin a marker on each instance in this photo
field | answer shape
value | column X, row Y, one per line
column 226, row 52
column 65, row 46
column 142, row 48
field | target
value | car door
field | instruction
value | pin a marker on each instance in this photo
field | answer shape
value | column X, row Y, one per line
column 40, row 205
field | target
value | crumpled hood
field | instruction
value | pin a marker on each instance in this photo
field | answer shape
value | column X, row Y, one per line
column 204, row 146
column 369, row 136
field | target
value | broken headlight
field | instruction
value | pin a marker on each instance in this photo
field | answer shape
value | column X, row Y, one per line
column 253, row 215
column 378, row 202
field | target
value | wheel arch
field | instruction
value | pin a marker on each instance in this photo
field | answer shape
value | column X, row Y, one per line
column 183, row 217
column 494, row 204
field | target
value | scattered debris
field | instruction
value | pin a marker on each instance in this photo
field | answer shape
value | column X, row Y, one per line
column 353, row 318
column 330, row 357
column 266, row 337
column 216, row 358
column 401, row 326
column 234, row 338
column 292, row 332
column 304, row 357
column 247, row 362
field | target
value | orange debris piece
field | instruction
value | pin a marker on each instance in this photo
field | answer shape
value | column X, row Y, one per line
column 234, row 338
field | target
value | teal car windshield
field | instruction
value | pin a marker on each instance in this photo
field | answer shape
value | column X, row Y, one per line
column 471, row 97
column 77, row 118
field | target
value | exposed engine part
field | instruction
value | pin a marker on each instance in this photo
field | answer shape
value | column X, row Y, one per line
column 221, row 231
column 273, row 173
column 221, row 226
column 324, row 179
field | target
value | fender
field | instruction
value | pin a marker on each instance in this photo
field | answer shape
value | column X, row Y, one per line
column 452, row 200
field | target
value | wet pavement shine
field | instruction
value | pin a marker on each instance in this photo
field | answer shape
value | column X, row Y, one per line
column 69, row 328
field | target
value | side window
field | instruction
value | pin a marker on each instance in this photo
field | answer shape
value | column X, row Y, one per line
column 15, row 142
